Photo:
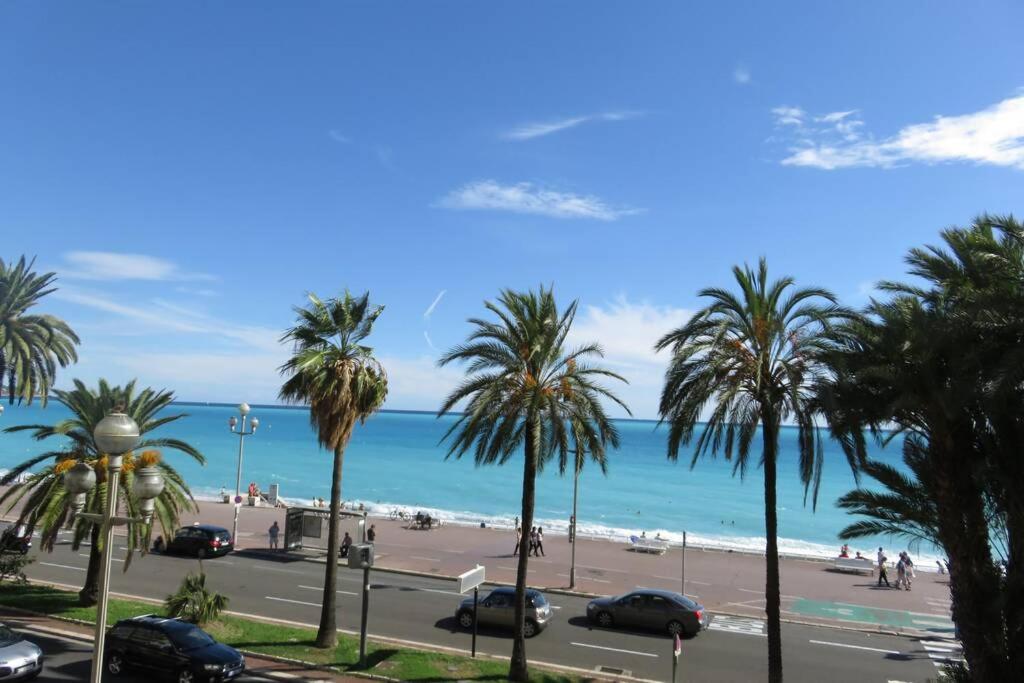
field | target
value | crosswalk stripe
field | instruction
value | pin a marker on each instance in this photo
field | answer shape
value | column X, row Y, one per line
column 745, row 626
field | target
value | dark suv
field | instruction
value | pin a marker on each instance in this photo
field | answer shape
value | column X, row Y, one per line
column 201, row 540
column 170, row 646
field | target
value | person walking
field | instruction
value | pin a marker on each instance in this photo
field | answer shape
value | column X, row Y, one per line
column 882, row 575
column 273, row 532
column 901, row 573
column 519, row 539
column 540, row 540
column 533, row 541
column 908, row 569
column 371, row 535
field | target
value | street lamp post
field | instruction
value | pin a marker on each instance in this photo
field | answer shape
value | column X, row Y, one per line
column 572, row 527
column 233, row 422
column 115, row 435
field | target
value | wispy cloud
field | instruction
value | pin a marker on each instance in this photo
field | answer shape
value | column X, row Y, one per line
column 107, row 265
column 530, row 199
column 741, row 75
column 993, row 136
column 529, row 131
column 338, row 137
column 165, row 316
column 430, row 342
column 437, row 299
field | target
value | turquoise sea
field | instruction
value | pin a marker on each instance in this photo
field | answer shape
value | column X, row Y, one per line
column 395, row 460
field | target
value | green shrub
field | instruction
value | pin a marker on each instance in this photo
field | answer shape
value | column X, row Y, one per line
column 193, row 602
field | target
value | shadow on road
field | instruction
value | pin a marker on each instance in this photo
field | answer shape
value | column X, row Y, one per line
column 583, row 622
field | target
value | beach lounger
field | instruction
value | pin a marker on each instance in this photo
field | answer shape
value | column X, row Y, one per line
column 648, row 545
column 852, row 564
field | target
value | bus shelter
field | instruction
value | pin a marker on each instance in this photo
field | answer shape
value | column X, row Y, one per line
column 306, row 527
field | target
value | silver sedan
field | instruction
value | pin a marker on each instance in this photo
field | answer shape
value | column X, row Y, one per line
column 19, row 659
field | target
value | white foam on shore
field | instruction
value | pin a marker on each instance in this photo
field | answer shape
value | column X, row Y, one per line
column 560, row 527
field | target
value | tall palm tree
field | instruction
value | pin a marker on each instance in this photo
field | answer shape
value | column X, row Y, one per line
column 42, row 499
column 526, row 390
column 754, row 359
column 31, row 345
column 333, row 372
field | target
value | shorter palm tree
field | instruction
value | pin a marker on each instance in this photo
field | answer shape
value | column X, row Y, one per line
column 333, row 372
column 42, row 498
column 32, row 345
column 193, row 602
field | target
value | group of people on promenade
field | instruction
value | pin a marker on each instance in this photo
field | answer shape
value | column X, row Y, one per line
column 904, row 571
column 536, row 547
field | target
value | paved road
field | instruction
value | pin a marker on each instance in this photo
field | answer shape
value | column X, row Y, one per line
column 69, row 659
column 422, row 610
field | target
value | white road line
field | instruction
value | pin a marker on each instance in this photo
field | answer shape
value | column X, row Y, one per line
column 62, row 566
column 856, row 647
column 587, row 578
column 296, row 602
column 616, row 571
column 113, row 558
column 425, row 559
column 314, row 588
column 747, row 590
column 615, row 649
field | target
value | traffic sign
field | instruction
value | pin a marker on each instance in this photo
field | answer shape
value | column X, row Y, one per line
column 238, row 500
column 471, row 579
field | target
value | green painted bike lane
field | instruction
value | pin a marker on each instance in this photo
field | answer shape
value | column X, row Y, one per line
column 879, row 616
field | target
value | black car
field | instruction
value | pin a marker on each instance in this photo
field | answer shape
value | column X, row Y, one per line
column 201, row 540
column 170, row 646
column 658, row 610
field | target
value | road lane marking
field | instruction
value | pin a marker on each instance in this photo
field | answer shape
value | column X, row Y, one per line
column 296, row 602
column 747, row 627
column 587, row 578
column 314, row 588
column 62, row 566
column 615, row 649
column 425, row 559
column 855, row 647
column 113, row 558
column 676, row 578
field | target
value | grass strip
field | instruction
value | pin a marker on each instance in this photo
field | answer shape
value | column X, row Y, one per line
column 278, row 640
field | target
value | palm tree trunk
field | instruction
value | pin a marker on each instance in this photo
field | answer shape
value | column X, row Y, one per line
column 517, row 670
column 772, row 607
column 89, row 595
column 327, row 633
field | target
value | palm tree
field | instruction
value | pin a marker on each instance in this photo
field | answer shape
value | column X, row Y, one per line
column 755, row 358
column 31, row 345
column 193, row 602
column 525, row 390
column 42, row 498
column 335, row 374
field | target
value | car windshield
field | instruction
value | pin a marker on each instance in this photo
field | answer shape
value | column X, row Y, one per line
column 686, row 602
column 537, row 600
column 7, row 636
column 190, row 638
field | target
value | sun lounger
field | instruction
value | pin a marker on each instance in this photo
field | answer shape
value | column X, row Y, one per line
column 648, row 545
column 852, row 564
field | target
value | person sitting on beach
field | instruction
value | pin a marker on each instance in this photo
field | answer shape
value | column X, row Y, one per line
column 345, row 544
column 859, row 556
column 844, row 551
column 643, row 534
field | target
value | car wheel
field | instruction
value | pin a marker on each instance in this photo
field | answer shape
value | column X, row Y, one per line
column 201, row 554
column 115, row 665
column 530, row 628
column 675, row 628
column 186, row 676
column 465, row 619
column 604, row 619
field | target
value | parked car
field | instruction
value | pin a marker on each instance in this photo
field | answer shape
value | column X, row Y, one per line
column 170, row 646
column 201, row 540
column 650, row 609
column 498, row 609
column 20, row 660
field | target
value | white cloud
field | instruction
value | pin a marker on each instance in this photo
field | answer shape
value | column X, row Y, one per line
column 528, row 131
column 627, row 332
column 175, row 318
column 338, row 137
column 992, row 136
column 789, row 116
column 741, row 75
column 106, row 265
column 529, row 199
column 430, row 309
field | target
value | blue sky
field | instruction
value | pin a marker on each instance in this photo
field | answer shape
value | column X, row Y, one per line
column 191, row 169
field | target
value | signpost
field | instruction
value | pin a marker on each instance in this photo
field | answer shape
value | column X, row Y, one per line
column 682, row 569
column 472, row 579
column 360, row 556
column 677, row 649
